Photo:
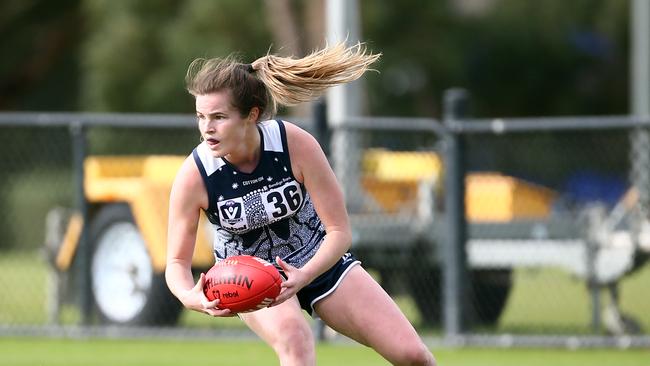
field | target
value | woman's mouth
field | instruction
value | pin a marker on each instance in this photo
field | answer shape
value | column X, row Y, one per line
column 212, row 142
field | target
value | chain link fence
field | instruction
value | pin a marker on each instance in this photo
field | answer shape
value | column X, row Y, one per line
column 553, row 242
column 505, row 227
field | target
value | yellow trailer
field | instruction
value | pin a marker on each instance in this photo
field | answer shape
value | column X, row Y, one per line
column 129, row 199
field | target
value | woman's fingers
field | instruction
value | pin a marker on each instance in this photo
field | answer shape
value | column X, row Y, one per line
column 207, row 306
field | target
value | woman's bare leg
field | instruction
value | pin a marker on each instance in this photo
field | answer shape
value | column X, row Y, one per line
column 363, row 311
column 285, row 328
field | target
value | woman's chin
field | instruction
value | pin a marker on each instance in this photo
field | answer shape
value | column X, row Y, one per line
column 216, row 152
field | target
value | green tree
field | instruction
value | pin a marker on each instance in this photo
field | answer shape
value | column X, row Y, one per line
column 516, row 57
column 39, row 43
column 137, row 52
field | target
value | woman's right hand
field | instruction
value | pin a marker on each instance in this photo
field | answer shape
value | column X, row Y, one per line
column 195, row 299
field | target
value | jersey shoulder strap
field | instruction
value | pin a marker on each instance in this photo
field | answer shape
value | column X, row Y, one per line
column 275, row 135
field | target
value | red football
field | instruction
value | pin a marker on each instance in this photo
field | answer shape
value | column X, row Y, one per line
column 243, row 283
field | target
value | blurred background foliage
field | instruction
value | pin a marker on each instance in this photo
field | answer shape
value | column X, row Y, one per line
column 516, row 57
column 144, row 47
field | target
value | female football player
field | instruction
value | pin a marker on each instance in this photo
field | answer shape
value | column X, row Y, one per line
column 268, row 189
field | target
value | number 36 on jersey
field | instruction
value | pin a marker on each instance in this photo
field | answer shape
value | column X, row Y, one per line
column 260, row 207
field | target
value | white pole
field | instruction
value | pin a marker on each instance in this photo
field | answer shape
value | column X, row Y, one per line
column 344, row 101
column 343, row 24
column 640, row 57
column 640, row 99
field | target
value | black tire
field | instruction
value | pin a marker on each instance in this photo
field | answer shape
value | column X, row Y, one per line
column 125, row 288
column 488, row 294
column 425, row 289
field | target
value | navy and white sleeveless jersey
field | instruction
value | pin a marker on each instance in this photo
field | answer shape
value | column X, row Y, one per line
column 266, row 213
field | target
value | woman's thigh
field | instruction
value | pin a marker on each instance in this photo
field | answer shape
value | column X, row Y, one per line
column 363, row 311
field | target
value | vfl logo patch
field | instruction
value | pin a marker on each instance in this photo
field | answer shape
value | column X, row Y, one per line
column 231, row 213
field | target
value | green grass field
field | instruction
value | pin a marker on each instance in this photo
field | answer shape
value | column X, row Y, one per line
column 542, row 301
column 46, row 352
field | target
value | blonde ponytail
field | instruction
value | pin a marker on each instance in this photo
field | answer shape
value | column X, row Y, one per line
column 272, row 80
column 292, row 81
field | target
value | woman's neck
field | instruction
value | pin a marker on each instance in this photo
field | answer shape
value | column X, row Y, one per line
column 247, row 156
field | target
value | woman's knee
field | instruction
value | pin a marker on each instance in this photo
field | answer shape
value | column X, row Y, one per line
column 294, row 340
column 415, row 354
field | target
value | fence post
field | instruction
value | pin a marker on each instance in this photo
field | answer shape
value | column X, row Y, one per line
column 595, row 217
column 454, row 256
column 84, row 252
column 321, row 128
column 640, row 101
column 322, row 134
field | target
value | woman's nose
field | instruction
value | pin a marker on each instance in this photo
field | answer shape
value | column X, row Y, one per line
column 211, row 126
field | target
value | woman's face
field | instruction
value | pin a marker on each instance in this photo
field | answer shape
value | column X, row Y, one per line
column 222, row 127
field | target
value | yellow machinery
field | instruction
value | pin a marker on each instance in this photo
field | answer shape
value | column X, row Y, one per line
column 392, row 179
column 129, row 199
column 408, row 185
column 144, row 183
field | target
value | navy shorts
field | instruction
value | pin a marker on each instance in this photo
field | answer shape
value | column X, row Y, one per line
column 326, row 283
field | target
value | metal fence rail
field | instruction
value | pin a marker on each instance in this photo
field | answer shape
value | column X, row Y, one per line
column 599, row 244
column 411, row 186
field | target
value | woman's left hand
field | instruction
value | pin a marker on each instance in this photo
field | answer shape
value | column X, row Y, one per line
column 296, row 279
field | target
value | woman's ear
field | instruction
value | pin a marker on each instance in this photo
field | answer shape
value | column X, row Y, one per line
column 254, row 114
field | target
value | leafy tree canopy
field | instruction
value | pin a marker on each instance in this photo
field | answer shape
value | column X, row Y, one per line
column 137, row 51
column 516, row 57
